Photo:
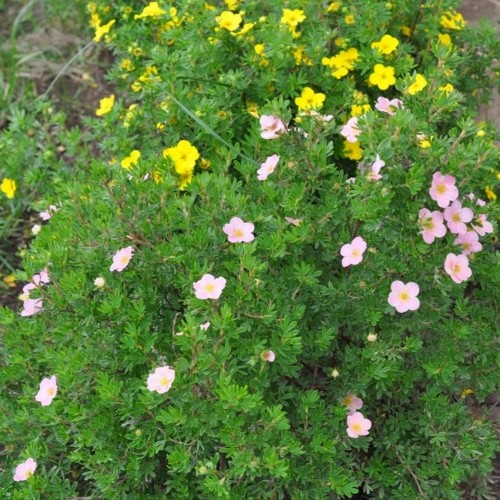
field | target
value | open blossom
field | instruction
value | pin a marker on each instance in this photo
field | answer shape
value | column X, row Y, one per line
column 271, row 127
column 457, row 266
column 238, row 231
column 161, row 380
column 352, row 403
column 482, row 226
column 209, row 287
column 456, row 217
column 374, row 172
column 357, row 425
column 404, row 297
column 46, row 215
column 388, row 106
column 268, row 356
column 443, row 189
column 48, row 391
column 353, row 252
column 432, row 225
column 469, row 241
column 121, row 259
column 41, row 278
column 350, row 130
column 31, row 307
column 25, row 470
column 267, row 168
column 205, row 326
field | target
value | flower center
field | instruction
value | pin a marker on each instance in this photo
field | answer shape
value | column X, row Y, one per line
column 51, row 391
column 441, row 188
column 210, row 287
column 355, row 253
column 164, row 381
column 456, row 268
column 124, row 259
column 238, row 233
column 404, row 295
column 456, row 217
column 357, row 428
column 427, row 223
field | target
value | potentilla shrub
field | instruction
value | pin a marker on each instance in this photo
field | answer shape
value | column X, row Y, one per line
column 280, row 278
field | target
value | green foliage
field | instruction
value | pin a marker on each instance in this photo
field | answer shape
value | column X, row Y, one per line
column 234, row 425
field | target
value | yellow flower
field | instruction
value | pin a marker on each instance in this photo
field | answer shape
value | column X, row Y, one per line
column 292, row 18
column 253, row 109
column 259, row 49
column 342, row 62
column 232, row 4
column 151, row 10
column 339, row 42
column 490, row 193
column 228, row 20
column 423, row 142
column 382, row 76
column 349, row 19
column 300, row 57
column 95, row 20
column 444, row 38
column 387, row 45
column 352, row 150
column 91, row 7
column 447, row 88
column 246, row 28
column 333, row 7
column 127, row 65
column 453, row 21
column 100, row 31
column 8, row 187
column 10, row 280
column 184, row 157
column 157, row 176
column 131, row 160
column 481, row 133
column 360, row 109
column 406, row 30
column 160, row 126
column 309, row 99
column 419, row 84
column 204, row 163
column 105, row 105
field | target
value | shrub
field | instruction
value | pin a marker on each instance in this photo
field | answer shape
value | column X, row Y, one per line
column 210, row 331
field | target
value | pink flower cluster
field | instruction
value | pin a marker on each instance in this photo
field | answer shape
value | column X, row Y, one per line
column 456, row 217
column 357, row 424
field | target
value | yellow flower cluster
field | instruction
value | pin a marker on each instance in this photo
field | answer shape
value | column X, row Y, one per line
column 184, row 157
column 342, row 63
column 453, row 20
column 131, row 160
column 292, row 18
column 309, row 99
column 300, row 57
column 105, row 105
column 151, row 10
column 150, row 74
column 8, row 187
column 100, row 29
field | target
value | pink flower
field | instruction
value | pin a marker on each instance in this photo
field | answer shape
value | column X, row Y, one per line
column 374, row 173
column 294, row 222
column 43, row 278
column 350, row 130
column 32, row 306
column 480, row 202
column 268, row 356
column 238, row 231
column 457, row 266
column 432, row 225
column 209, row 287
column 271, row 127
column 161, row 380
column 357, row 425
column 267, row 168
column 482, row 226
column 48, row 214
column 121, row 259
column 456, row 217
column 48, row 391
column 469, row 241
column 404, row 297
column 352, row 403
column 205, row 326
column 353, row 252
column 443, row 189
column 25, row 470
column 388, row 106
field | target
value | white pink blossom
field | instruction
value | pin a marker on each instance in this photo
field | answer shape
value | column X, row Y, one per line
column 374, row 172
column 443, row 189
column 350, row 130
column 267, row 168
column 25, row 470
column 209, row 287
column 271, row 127
column 352, row 253
column 121, row 259
column 161, row 380
column 238, row 231
column 47, row 391
column 268, row 356
column 357, row 425
column 432, row 224
column 469, row 241
column 49, row 212
column 456, row 217
column 388, row 106
column 31, row 307
column 457, row 266
column 352, row 403
column 481, row 225
column 404, row 297
column 205, row 326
